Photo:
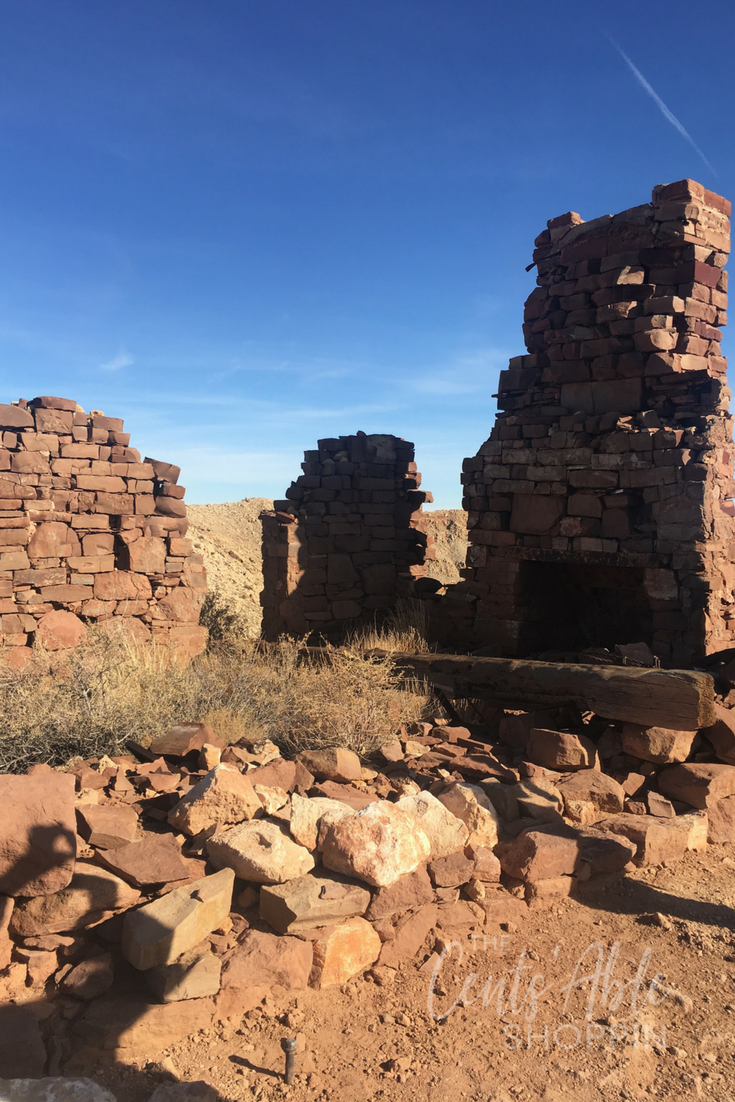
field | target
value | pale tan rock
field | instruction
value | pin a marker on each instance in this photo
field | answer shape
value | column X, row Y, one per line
column 538, row 798
column 307, row 814
column 345, row 951
column 161, row 931
column 319, row 899
column 260, row 851
column 272, row 799
column 446, row 833
column 224, row 797
column 656, row 744
column 469, row 803
column 378, row 844
column 93, row 895
column 656, row 840
column 209, row 756
column 590, row 796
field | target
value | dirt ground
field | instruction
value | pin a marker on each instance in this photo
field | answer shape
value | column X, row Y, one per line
column 627, row 991
column 228, row 536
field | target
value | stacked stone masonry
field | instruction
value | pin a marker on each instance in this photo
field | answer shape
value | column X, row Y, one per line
column 598, row 510
column 349, row 540
column 90, row 533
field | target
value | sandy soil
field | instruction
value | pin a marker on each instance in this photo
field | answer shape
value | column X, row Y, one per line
column 616, row 1037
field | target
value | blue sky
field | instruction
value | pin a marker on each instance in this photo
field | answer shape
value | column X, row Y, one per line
column 245, row 224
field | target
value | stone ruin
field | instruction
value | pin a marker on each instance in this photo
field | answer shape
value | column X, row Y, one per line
column 90, row 533
column 599, row 509
column 348, row 541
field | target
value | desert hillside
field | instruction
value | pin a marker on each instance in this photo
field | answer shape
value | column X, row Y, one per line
column 228, row 536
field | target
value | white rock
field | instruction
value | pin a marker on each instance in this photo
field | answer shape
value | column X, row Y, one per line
column 446, row 833
column 260, row 851
column 306, row 815
column 379, row 844
column 470, row 804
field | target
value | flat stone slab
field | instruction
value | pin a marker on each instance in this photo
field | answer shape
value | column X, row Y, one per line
column 311, row 901
column 156, row 859
column 164, row 929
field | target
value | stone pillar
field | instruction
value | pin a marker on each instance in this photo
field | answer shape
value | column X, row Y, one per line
column 347, row 542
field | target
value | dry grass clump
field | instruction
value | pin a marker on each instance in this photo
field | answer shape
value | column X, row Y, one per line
column 94, row 699
column 404, row 629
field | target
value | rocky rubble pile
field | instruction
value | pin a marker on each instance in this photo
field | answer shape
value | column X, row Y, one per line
column 146, row 896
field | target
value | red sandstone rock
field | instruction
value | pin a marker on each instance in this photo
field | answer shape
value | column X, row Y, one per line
column 699, row 784
column 91, row 978
column 92, row 895
column 560, row 750
column 184, row 739
column 590, row 795
column 156, row 859
column 37, row 834
column 408, row 936
column 722, row 734
column 332, row 764
column 721, row 821
column 267, row 960
column 656, row 744
column 60, row 630
column 108, row 826
column 541, row 854
column 452, row 871
column 408, row 893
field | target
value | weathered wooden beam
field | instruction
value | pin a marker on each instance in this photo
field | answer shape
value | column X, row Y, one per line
column 679, row 699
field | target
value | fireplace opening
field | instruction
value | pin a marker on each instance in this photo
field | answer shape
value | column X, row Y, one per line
column 570, row 607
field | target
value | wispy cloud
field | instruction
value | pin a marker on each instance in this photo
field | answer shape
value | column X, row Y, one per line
column 470, row 373
column 668, row 115
column 123, row 359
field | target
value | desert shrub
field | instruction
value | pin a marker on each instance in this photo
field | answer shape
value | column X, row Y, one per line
column 223, row 624
column 94, row 699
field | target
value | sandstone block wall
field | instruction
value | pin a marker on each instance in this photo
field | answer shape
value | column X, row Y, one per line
column 348, row 540
column 90, row 530
column 598, row 509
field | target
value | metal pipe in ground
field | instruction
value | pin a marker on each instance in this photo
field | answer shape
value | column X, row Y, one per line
column 288, row 1044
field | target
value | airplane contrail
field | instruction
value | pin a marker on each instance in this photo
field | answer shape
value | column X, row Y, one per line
column 662, row 106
